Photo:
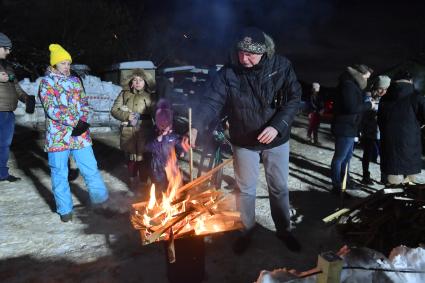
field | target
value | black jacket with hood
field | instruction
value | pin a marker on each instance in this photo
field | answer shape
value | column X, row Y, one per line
column 400, row 116
column 268, row 94
column 349, row 104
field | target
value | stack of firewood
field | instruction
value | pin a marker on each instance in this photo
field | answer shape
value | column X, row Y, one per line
column 385, row 219
column 195, row 209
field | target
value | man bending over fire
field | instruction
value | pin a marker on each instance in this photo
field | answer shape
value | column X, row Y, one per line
column 259, row 91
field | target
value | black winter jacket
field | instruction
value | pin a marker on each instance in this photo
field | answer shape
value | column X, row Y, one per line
column 348, row 107
column 400, row 116
column 267, row 94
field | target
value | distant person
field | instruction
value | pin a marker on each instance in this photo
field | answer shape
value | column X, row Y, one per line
column 315, row 110
column 400, row 117
column 163, row 144
column 67, row 133
column 370, row 135
column 164, row 87
column 348, row 108
column 134, row 108
column 10, row 93
column 261, row 94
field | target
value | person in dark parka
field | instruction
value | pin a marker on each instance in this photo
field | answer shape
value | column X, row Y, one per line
column 400, row 116
column 348, row 108
column 260, row 93
column 370, row 135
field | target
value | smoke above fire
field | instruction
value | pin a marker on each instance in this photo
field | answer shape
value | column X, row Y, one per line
column 208, row 28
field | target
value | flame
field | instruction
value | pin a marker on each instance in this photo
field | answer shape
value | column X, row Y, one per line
column 152, row 198
column 200, row 225
column 201, row 216
column 174, row 176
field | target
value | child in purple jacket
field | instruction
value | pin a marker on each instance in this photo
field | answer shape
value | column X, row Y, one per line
column 165, row 142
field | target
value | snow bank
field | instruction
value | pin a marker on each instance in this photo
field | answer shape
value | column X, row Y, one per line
column 101, row 97
column 404, row 265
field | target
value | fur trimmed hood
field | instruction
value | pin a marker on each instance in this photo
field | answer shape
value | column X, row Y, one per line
column 356, row 76
column 146, row 76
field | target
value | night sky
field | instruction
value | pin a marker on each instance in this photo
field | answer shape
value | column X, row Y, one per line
column 320, row 37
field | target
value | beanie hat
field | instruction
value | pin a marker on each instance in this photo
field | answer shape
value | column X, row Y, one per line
column 58, row 54
column 383, row 82
column 252, row 40
column 315, row 86
column 163, row 115
column 5, row 41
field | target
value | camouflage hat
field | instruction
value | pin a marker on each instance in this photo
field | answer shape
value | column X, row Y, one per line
column 252, row 40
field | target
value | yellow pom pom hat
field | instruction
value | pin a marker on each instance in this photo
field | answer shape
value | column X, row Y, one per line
column 58, row 54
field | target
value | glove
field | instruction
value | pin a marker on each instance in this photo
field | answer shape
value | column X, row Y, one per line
column 80, row 128
column 30, row 104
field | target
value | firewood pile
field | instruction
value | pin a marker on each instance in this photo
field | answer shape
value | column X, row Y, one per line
column 193, row 209
column 385, row 219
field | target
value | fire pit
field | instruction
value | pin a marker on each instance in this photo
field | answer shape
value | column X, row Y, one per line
column 189, row 211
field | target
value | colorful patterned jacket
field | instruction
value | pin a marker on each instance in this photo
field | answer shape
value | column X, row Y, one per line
column 64, row 103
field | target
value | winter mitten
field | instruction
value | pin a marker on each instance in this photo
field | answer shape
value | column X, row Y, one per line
column 30, row 104
column 80, row 128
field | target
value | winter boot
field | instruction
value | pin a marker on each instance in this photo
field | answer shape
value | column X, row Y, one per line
column 10, row 178
column 289, row 240
column 66, row 217
column 366, row 180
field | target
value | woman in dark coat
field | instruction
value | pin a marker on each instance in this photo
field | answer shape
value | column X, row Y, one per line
column 400, row 116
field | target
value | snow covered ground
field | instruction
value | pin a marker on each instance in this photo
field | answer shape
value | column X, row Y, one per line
column 35, row 246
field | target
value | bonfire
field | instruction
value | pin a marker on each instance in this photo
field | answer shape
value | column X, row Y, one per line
column 196, row 208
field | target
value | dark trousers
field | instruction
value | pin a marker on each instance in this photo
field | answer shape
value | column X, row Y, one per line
column 141, row 168
column 370, row 148
column 7, row 128
column 313, row 125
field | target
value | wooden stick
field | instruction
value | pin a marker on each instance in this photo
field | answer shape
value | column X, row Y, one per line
column 153, row 237
column 344, row 181
column 335, row 215
column 369, row 199
column 190, row 148
column 170, row 247
column 344, row 185
column 203, row 178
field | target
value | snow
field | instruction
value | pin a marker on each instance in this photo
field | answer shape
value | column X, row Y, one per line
column 133, row 65
column 35, row 246
column 177, row 69
column 356, row 265
column 101, row 96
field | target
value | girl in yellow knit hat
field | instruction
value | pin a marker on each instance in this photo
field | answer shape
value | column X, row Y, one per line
column 67, row 133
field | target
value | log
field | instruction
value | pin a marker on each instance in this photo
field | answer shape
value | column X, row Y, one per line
column 153, row 237
column 335, row 215
column 330, row 265
column 203, row 178
column 171, row 251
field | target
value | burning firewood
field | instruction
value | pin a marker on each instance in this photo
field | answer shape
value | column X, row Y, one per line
column 191, row 209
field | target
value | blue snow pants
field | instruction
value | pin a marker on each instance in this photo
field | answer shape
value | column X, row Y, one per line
column 86, row 162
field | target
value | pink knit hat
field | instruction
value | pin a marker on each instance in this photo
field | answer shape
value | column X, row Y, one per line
column 163, row 115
